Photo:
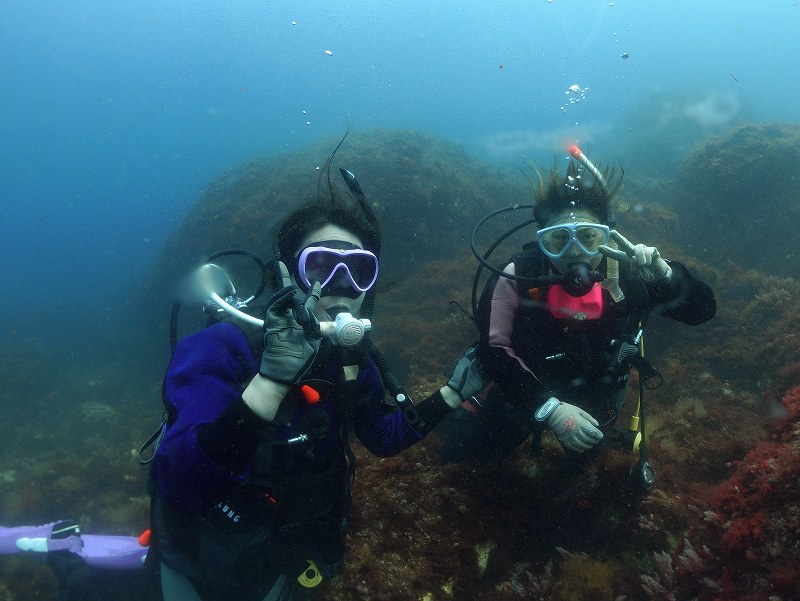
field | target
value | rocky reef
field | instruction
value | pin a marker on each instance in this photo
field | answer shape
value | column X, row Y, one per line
column 736, row 196
column 723, row 519
column 665, row 126
column 427, row 191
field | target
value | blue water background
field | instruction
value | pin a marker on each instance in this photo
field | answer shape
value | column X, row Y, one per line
column 115, row 115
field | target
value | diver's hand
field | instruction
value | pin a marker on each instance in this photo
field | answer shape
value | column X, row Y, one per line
column 469, row 376
column 289, row 347
column 576, row 429
column 651, row 267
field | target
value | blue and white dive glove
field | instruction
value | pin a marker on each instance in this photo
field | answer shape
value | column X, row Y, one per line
column 574, row 428
column 469, row 376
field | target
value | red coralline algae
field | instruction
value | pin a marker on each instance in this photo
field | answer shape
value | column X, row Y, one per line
column 788, row 416
column 744, row 533
column 752, row 543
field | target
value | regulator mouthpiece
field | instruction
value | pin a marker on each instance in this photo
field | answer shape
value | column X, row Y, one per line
column 579, row 280
column 345, row 330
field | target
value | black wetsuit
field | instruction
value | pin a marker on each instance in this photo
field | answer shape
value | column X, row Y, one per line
column 534, row 351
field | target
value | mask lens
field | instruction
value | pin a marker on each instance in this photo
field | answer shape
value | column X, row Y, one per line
column 555, row 240
column 590, row 237
column 320, row 265
column 363, row 269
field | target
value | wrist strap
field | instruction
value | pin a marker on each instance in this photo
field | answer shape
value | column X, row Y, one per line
column 544, row 412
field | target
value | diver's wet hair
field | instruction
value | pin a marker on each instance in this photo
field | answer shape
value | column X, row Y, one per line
column 579, row 189
column 350, row 212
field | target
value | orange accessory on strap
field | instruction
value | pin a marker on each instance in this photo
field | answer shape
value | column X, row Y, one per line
column 144, row 538
column 310, row 395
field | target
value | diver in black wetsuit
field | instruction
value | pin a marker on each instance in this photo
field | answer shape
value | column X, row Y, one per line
column 560, row 326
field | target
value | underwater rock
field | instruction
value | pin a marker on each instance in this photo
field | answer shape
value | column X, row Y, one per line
column 738, row 198
column 483, row 552
column 752, row 521
column 582, row 577
column 662, row 128
column 26, row 579
column 428, row 192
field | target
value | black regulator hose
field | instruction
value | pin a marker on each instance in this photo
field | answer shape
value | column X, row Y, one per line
column 396, row 389
column 173, row 326
column 262, row 266
column 483, row 260
column 643, row 473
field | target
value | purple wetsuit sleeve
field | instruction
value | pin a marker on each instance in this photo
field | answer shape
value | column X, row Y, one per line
column 203, row 384
column 382, row 431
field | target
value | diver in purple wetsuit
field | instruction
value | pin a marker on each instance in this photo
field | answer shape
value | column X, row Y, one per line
column 561, row 323
column 251, row 482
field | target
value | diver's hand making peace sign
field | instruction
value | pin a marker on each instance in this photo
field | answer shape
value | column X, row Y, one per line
column 646, row 259
column 291, row 332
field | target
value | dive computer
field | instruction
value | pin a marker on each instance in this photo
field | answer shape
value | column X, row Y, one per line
column 546, row 410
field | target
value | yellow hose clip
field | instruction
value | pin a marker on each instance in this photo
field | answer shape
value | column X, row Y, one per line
column 637, row 442
column 310, row 577
column 634, row 431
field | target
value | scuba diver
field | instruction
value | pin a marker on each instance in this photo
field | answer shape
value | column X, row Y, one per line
column 251, row 482
column 561, row 322
column 251, row 477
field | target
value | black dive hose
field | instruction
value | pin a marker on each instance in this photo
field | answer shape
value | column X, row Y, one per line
column 643, row 473
column 173, row 327
column 483, row 261
column 246, row 253
column 397, row 391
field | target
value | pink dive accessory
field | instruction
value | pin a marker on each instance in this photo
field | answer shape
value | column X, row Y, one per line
column 565, row 306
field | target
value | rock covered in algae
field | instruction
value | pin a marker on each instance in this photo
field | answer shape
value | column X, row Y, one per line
column 428, row 192
column 663, row 127
column 738, row 198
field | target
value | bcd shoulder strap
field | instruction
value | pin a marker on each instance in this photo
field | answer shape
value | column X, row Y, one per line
column 528, row 263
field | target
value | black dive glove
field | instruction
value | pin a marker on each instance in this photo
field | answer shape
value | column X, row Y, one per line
column 469, row 376
column 291, row 333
